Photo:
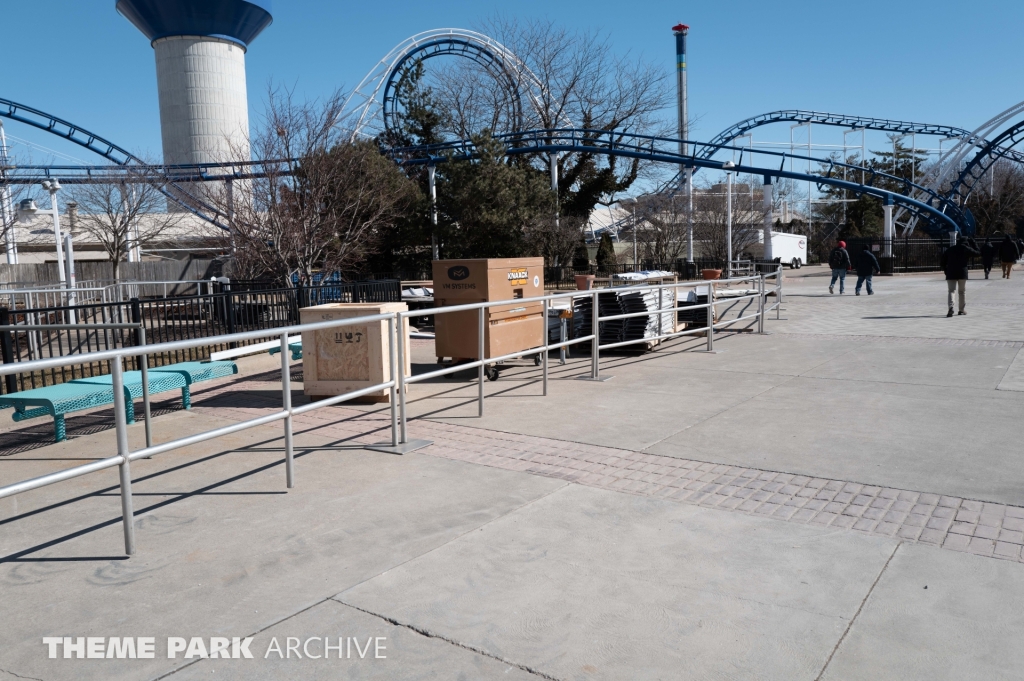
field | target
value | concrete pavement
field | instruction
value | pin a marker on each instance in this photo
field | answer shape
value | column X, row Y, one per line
column 772, row 512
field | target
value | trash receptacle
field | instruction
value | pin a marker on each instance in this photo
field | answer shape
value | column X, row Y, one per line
column 508, row 328
column 346, row 358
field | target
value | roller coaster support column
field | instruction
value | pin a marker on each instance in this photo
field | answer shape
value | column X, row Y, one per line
column 553, row 159
column 688, row 175
column 887, row 228
column 728, row 226
column 769, row 200
column 432, row 181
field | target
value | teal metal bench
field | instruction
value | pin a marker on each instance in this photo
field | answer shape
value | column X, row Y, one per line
column 196, row 372
column 84, row 393
column 88, row 393
column 295, row 348
column 57, row 400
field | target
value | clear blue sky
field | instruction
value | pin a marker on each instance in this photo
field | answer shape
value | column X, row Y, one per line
column 927, row 60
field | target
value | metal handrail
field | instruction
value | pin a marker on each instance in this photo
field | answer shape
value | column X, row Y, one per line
column 396, row 385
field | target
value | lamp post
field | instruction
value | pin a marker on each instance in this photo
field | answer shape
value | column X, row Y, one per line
column 6, row 210
column 27, row 209
column 727, row 167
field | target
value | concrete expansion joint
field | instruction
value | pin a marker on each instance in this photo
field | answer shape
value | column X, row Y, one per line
column 458, row 644
column 19, row 676
column 849, row 626
column 269, row 625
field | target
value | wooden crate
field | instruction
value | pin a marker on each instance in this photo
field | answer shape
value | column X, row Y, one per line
column 347, row 358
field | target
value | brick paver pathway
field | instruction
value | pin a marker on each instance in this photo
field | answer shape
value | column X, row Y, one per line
column 954, row 523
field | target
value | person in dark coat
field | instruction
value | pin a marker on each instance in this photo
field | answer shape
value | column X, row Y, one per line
column 1009, row 254
column 954, row 263
column 988, row 255
column 839, row 261
column 867, row 267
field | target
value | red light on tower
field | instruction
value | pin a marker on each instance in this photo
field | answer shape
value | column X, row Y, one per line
column 680, row 28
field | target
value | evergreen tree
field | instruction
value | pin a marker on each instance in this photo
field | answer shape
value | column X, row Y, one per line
column 581, row 257
column 488, row 206
column 605, row 254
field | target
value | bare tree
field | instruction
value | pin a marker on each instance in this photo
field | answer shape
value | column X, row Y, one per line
column 321, row 203
column 661, row 228
column 998, row 199
column 556, row 239
column 564, row 79
column 123, row 215
column 10, row 196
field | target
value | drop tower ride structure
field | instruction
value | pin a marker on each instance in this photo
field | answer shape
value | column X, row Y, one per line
column 200, row 48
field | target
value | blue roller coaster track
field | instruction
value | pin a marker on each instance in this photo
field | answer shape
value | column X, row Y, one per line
column 840, row 121
column 937, row 211
column 1001, row 146
column 110, row 151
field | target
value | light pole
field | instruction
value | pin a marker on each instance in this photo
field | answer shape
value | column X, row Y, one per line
column 727, row 167
column 27, row 209
column 6, row 210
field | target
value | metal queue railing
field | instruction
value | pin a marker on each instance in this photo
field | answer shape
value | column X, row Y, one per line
column 396, row 386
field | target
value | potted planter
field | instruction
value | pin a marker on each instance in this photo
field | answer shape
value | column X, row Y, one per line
column 707, row 275
column 585, row 282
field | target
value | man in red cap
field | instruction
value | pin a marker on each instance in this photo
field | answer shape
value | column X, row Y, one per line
column 839, row 261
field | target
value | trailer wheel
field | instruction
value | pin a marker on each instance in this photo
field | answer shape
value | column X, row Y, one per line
column 794, row 264
column 537, row 361
column 491, row 373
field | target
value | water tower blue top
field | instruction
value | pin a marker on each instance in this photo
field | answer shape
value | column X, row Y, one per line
column 237, row 20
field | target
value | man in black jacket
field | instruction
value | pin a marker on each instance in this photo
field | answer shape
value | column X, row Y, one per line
column 988, row 255
column 954, row 263
column 1008, row 255
column 839, row 261
column 867, row 267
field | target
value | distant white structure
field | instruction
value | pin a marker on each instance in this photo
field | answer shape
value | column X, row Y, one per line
column 200, row 50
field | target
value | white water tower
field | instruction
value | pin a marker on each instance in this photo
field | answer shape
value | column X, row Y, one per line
column 200, row 50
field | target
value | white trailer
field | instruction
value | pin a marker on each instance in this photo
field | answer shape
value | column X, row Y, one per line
column 788, row 249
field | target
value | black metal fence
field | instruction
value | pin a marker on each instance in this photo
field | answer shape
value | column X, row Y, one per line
column 164, row 319
column 908, row 255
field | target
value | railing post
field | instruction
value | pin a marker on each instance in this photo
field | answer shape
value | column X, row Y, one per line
column 393, row 341
column 7, row 350
column 121, row 427
column 144, row 364
column 229, row 313
column 778, row 282
column 761, row 303
column 481, row 351
column 286, row 399
column 711, row 316
column 595, row 347
column 401, row 379
column 547, row 340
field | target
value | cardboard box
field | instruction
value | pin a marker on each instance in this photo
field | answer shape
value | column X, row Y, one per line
column 508, row 328
column 346, row 358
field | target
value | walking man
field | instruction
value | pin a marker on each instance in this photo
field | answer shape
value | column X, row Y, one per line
column 988, row 255
column 839, row 261
column 867, row 267
column 1009, row 254
column 954, row 263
